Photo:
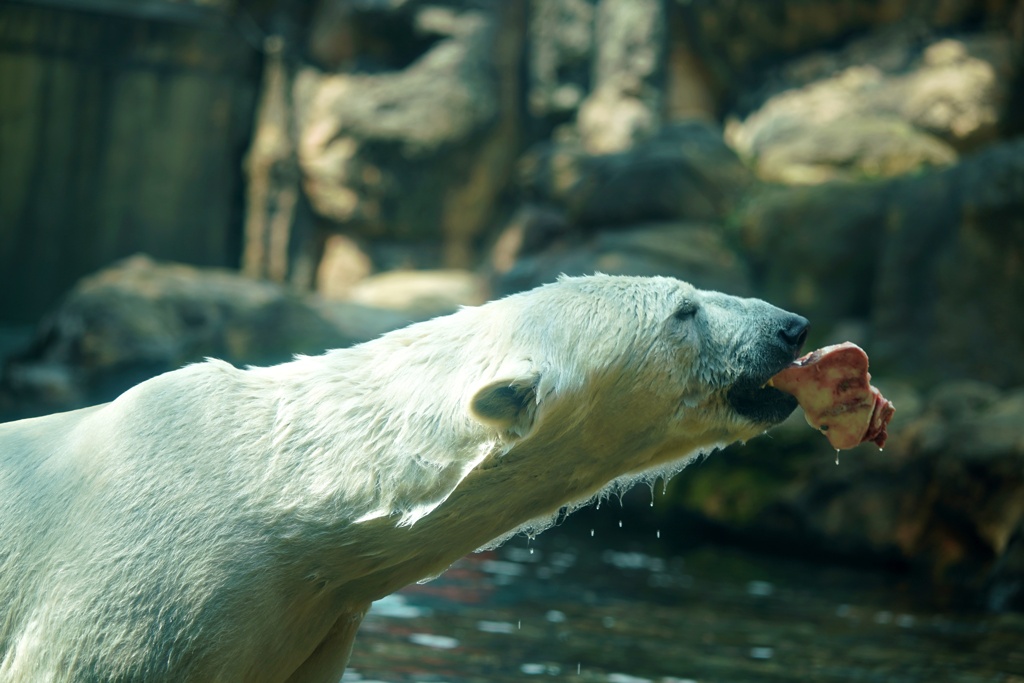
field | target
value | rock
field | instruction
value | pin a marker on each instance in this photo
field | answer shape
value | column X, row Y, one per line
column 733, row 41
column 531, row 229
column 878, row 107
column 278, row 232
column 343, row 264
column 140, row 318
column 602, row 63
column 414, row 148
column 1004, row 590
column 690, row 89
column 559, row 60
column 441, row 100
column 960, row 88
column 610, row 121
column 807, row 246
column 655, row 209
column 626, row 99
column 686, row 172
column 855, row 148
column 421, row 294
column 695, row 252
column 368, row 35
column 946, row 496
column 620, row 67
column 929, row 261
column 14, row 339
column 948, row 284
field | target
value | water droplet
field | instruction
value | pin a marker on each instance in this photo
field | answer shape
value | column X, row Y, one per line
column 760, row 588
column 837, row 456
column 531, row 551
column 620, row 523
column 591, row 533
column 598, row 503
column 659, row 533
column 578, row 668
column 431, row 640
column 519, row 625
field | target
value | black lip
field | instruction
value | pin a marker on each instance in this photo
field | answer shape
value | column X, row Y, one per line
column 760, row 404
column 763, row 404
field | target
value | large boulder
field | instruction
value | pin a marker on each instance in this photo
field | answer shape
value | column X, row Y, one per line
column 367, row 35
column 658, row 208
column 945, row 497
column 140, row 318
column 815, row 248
column 411, row 146
column 599, row 65
column 559, row 60
column 685, row 172
column 699, row 253
column 625, row 102
column 927, row 265
column 732, row 42
column 1005, row 586
column 420, row 294
column 634, row 63
column 949, row 283
column 881, row 106
column 855, row 148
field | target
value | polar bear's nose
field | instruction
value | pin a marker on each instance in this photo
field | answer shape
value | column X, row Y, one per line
column 793, row 332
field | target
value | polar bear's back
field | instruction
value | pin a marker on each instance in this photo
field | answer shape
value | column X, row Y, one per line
column 112, row 518
column 37, row 489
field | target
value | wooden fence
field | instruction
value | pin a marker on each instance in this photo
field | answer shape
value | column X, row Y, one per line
column 123, row 125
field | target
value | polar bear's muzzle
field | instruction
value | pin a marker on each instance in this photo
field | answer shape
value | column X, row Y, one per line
column 749, row 396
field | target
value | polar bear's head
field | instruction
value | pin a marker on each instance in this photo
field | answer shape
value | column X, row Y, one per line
column 558, row 393
column 652, row 367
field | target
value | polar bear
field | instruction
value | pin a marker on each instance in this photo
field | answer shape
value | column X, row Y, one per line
column 223, row 524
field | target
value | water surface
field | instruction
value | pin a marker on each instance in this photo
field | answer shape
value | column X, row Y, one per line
column 617, row 608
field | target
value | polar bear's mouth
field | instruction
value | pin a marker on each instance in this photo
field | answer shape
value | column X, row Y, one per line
column 758, row 403
column 750, row 396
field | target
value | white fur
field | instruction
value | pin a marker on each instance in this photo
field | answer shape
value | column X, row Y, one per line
column 218, row 524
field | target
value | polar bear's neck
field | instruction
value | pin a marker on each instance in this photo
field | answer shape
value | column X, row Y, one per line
column 378, row 439
column 525, row 491
column 423, row 503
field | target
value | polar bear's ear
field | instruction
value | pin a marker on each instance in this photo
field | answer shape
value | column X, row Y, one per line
column 509, row 405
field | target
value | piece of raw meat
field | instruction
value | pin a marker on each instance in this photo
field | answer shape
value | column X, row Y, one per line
column 833, row 386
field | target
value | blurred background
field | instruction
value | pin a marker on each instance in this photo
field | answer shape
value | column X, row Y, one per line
column 250, row 179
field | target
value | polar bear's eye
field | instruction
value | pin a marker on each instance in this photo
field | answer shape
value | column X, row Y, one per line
column 686, row 310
